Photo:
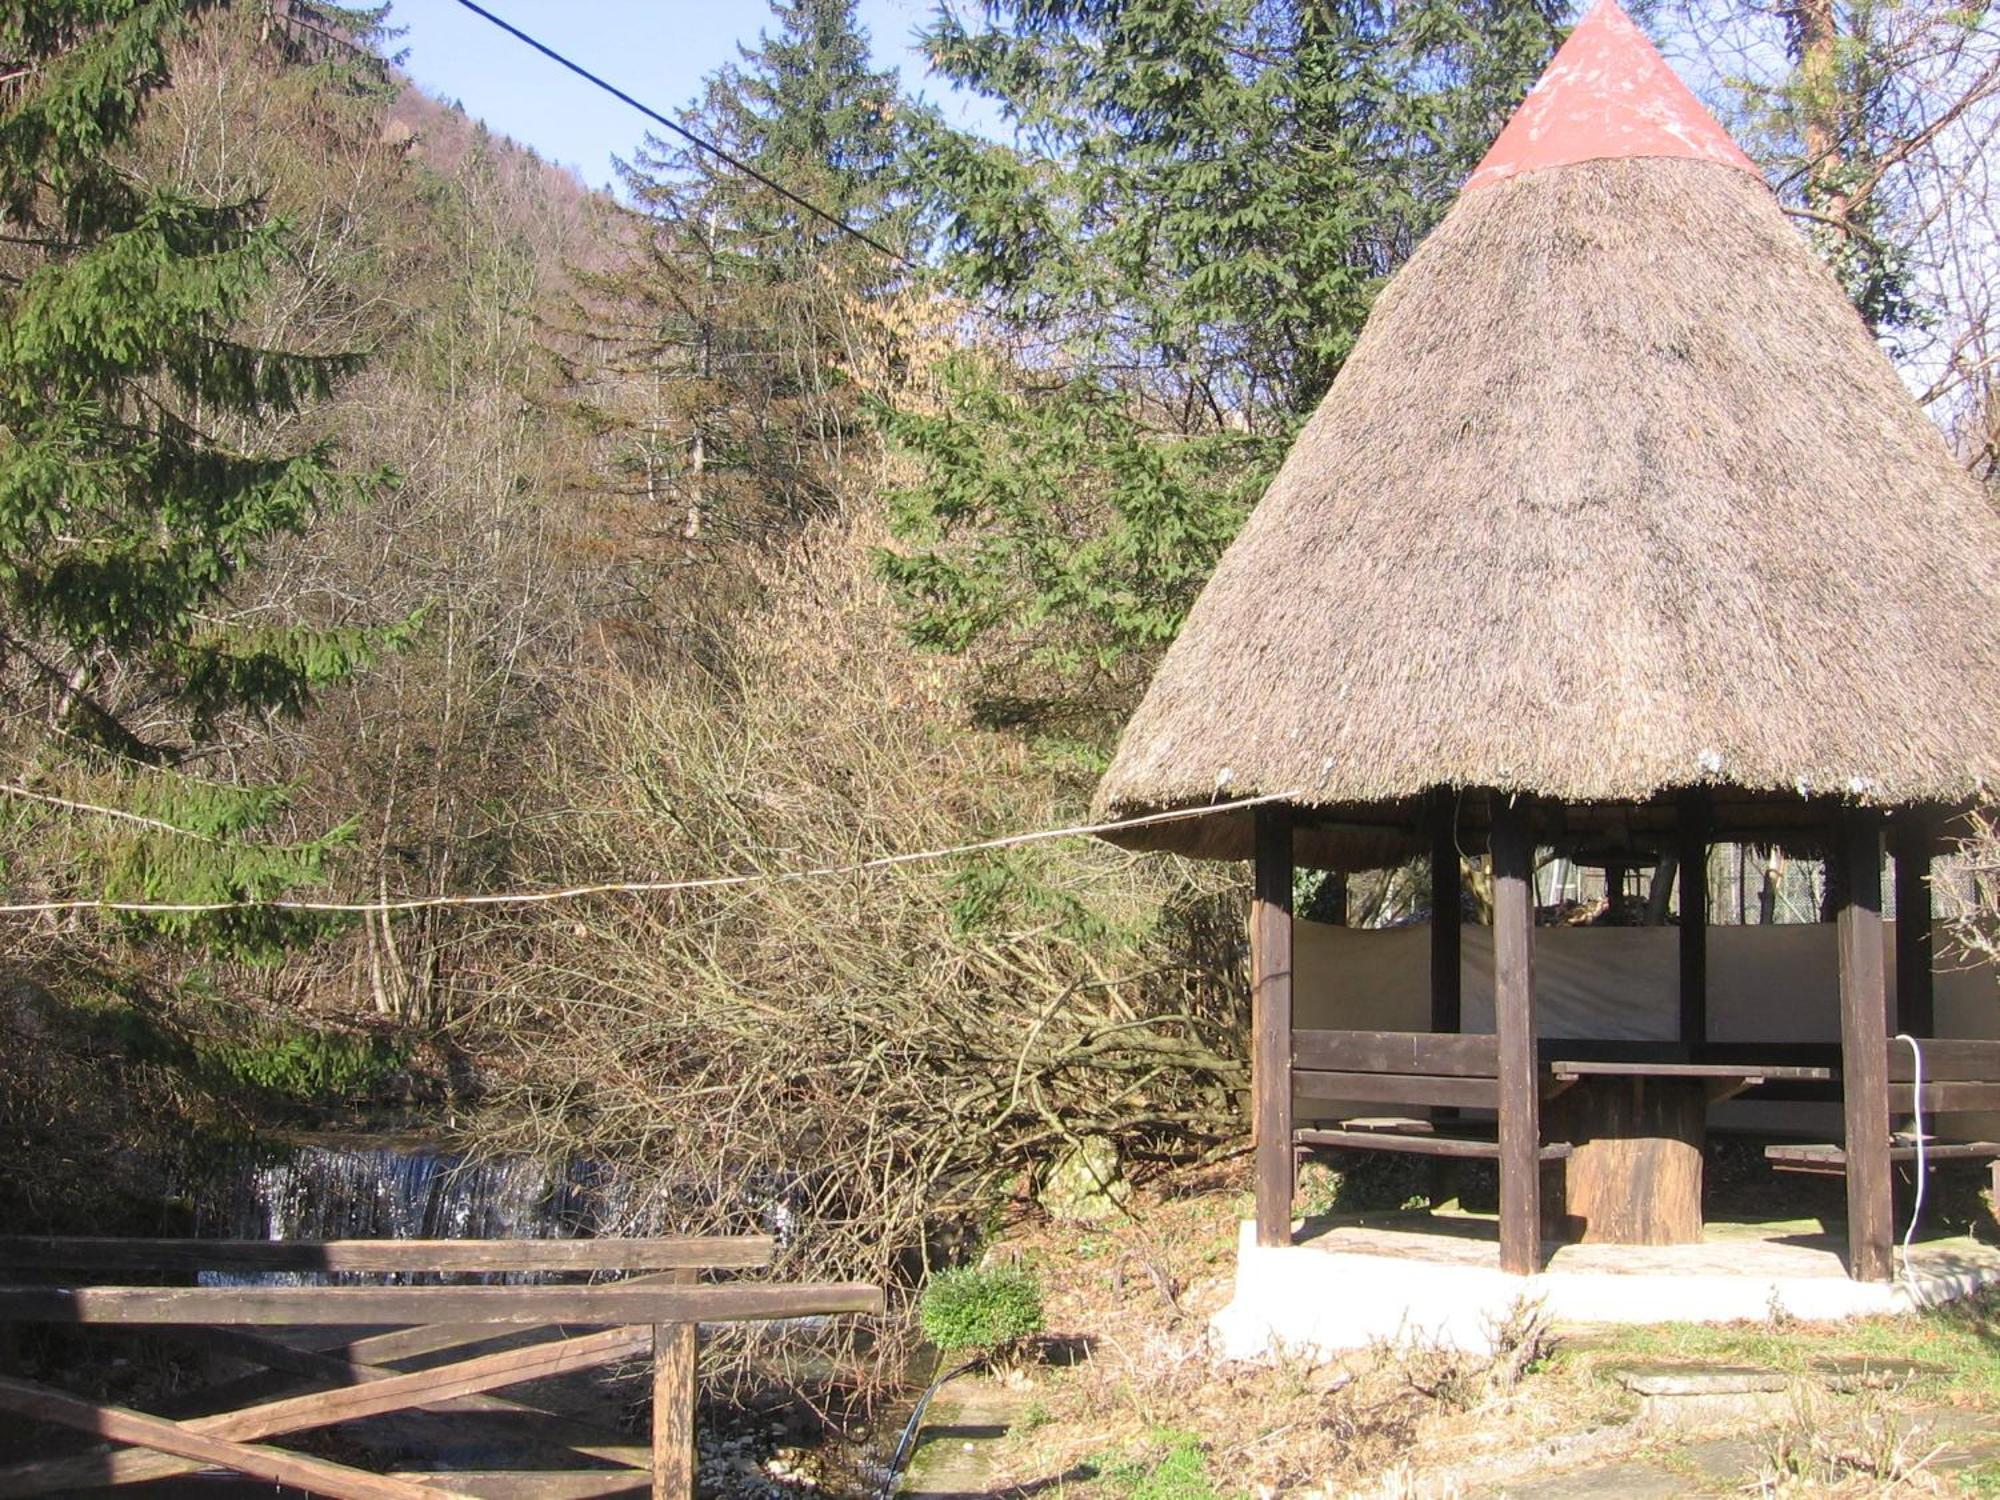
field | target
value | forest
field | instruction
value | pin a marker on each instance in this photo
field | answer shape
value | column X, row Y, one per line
column 388, row 522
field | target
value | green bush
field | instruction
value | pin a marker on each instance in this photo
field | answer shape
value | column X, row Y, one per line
column 1172, row 1468
column 986, row 1310
column 306, row 1067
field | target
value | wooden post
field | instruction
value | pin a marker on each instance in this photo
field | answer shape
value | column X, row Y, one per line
column 1447, row 913
column 1271, row 1022
column 675, row 1354
column 1514, row 1023
column 1693, row 852
column 1864, row 1052
column 1916, row 998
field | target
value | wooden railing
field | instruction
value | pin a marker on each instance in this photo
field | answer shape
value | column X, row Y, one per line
column 1418, row 1068
column 1958, row 1074
column 655, row 1314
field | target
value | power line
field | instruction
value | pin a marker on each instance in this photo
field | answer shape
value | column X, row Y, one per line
column 681, row 130
column 609, row 888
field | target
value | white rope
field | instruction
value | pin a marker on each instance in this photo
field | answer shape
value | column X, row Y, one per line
column 1917, row 1124
column 635, row 887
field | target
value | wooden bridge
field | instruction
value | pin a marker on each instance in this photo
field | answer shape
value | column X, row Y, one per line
column 547, row 1330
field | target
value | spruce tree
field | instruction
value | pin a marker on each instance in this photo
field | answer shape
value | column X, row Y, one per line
column 741, row 307
column 145, row 459
column 1178, row 247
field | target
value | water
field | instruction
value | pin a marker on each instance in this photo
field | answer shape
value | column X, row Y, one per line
column 389, row 1190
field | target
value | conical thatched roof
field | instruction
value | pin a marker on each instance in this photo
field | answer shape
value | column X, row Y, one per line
column 1616, row 495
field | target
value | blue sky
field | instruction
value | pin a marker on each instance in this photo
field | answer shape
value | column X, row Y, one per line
column 657, row 52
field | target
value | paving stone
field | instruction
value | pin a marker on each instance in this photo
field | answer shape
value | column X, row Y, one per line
column 1858, row 1372
column 1630, row 1481
column 1696, row 1380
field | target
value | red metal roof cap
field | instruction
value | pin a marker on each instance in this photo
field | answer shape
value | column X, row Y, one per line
column 1608, row 93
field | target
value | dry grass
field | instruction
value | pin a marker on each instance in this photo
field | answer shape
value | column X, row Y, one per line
column 1137, row 1295
column 866, row 1062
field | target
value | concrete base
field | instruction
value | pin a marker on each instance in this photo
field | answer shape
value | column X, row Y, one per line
column 1437, row 1280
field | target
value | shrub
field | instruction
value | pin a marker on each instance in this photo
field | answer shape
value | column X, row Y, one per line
column 990, row 1311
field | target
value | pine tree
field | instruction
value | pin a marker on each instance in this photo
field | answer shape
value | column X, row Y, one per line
column 736, row 318
column 1179, row 245
column 141, row 468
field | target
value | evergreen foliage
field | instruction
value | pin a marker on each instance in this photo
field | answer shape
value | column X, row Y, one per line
column 1181, row 244
column 743, row 305
column 140, row 471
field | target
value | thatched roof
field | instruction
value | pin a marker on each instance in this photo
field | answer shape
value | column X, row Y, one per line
column 1616, row 495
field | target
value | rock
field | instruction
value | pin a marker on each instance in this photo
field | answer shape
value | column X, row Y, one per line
column 1696, row 1380
column 1086, row 1185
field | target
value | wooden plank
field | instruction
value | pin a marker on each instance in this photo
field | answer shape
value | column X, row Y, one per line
column 1419, row 1144
column 1941, row 1097
column 120, row 1424
column 543, row 1484
column 1692, row 838
column 1455, row 1056
column 410, row 1343
column 325, row 1369
column 345, row 1404
column 323, row 1306
column 1447, row 914
column 100, row 1253
column 1914, row 841
column 1271, row 1022
column 1514, row 1025
column 1398, row 1088
column 1832, row 1161
column 676, row 1365
column 1946, row 1060
column 1581, row 1067
column 1864, row 1024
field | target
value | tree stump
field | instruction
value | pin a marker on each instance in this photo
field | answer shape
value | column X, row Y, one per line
column 1634, row 1177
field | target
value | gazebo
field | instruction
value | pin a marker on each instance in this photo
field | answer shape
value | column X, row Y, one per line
column 1617, row 531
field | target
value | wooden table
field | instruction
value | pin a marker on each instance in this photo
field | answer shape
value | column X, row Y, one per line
column 1636, row 1128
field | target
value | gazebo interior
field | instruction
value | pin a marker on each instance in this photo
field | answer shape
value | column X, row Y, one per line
column 1597, row 1137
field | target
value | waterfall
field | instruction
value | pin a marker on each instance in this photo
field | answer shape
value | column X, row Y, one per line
column 373, row 1191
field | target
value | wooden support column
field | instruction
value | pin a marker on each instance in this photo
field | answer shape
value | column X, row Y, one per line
column 1864, row 1053
column 1271, row 1022
column 1514, row 1023
column 1693, row 858
column 1447, row 913
column 1915, row 841
column 676, row 1352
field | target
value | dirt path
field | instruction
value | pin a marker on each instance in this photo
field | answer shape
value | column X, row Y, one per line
column 956, row 1455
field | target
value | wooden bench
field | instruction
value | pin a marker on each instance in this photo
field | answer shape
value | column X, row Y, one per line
column 1958, row 1074
column 1418, row 1069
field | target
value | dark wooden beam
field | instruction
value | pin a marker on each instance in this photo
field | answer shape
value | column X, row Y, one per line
column 1915, row 841
column 1693, row 857
column 1271, row 1022
column 366, row 1306
column 393, row 1392
column 316, row 1476
column 1864, row 1024
column 70, row 1254
column 1447, row 913
column 1513, row 845
column 676, row 1355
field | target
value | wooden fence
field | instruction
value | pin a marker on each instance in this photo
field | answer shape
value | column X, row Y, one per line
column 548, row 1330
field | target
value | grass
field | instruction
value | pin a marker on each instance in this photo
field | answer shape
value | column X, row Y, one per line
column 1962, row 1338
column 1150, row 1414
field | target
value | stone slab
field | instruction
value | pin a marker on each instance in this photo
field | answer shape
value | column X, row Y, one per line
column 1696, row 1380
